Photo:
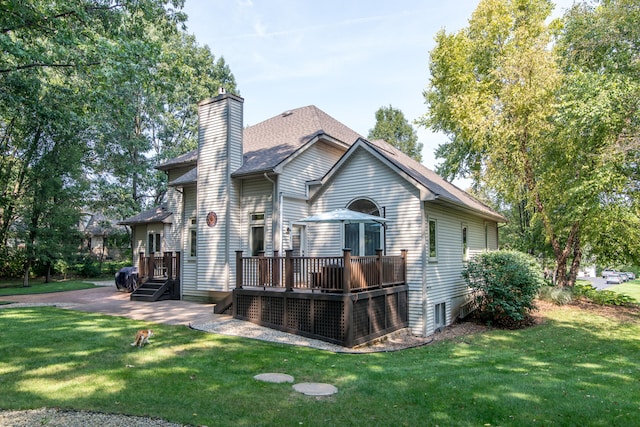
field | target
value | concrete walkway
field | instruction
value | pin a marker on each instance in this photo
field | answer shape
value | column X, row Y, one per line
column 108, row 300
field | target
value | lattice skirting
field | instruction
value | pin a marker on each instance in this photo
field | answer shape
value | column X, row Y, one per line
column 344, row 319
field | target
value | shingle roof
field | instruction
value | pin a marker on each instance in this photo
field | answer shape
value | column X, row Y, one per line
column 268, row 143
column 191, row 177
column 185, row 159
column 437, row 185
column 157, row 214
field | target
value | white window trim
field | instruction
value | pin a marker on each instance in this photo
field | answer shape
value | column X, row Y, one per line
column 255, row 223
column 435, row 221
column 464, row 235
column 193, row 226
column 443, row 311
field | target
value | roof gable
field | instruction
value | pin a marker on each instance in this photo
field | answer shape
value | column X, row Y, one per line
column 432, row 186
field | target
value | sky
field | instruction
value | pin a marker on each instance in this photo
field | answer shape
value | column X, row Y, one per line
column 348, row 58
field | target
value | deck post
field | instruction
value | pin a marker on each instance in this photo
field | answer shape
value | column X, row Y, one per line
column 288, row 270
column 239, row 270
column 403, row 254
column 380, row 267
column 141, row 265
column 276, row 269
column 152, row 265
column 346, row 271
column 176, row 271
column 168, row 264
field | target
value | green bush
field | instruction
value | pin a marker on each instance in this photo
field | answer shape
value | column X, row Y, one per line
column 602, row 297
column 87, row 266
column 12, row 264
column 506, row 284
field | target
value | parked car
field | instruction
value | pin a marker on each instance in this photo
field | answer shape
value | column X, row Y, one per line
column 607, row 272
column 630, row 275
column 615, row 278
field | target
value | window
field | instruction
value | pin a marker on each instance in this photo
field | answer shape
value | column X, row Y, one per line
column 366, row 238
column 193, row 237
column 256, row 237
column 465, row 244
column 440, row 316
column 433, row 244
column 154, row 243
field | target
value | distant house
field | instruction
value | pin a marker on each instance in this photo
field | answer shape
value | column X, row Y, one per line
column 96, row 229
column 249, row 189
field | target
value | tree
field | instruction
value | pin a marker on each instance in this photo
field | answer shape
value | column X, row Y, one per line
column 57, row 61
column 393, row 127
column 523, row 125
column 151, row 118
column 492, row 88
column 599, row 49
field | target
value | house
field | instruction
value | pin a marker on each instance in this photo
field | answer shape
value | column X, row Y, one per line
column 96, row 228
column 244, row 193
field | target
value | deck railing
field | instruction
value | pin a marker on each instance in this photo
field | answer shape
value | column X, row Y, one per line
column 156, row 265
column 342, row 274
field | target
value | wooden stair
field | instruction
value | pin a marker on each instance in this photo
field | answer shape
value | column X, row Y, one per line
column 224, row 305
column 153, row 290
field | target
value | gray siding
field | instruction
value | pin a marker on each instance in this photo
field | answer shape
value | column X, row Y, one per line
column 189, row 281
column 444, row 283
column 363, row 176
column 257, row 196
column 311, row 164
column 219, row 153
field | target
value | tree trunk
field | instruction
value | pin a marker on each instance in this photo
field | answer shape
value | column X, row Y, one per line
column 27, row 269
column 47, row 277
column 575, row 264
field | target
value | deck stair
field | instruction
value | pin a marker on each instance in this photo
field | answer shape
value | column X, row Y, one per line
column 155, row 289
column 224, row 305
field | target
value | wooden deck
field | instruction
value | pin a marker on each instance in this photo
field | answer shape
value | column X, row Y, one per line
column 347, row 300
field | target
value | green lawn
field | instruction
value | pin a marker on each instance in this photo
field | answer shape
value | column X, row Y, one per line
column 577, row 369
column 631, row 288
column 37, row 286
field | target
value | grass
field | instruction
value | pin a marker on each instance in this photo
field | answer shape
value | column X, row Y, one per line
column 579, row 368
column 37, row 286
column 631, row 288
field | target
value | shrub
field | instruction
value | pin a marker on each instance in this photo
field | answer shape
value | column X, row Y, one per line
column 12, row 264
column 602, row 297
column 506, row 284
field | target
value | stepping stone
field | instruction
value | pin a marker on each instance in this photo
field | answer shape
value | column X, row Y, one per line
column 274, row 378
column 315, row 389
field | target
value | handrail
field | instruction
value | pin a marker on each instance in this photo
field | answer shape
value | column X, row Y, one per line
column 342, row 274
column 166, row 265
